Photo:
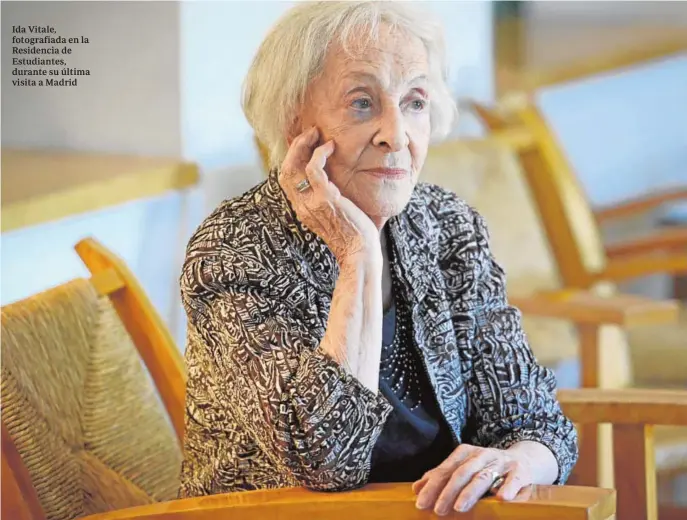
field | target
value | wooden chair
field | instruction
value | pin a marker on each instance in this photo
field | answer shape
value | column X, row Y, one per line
column 590, row 313
column 85, row 427
column 633, row 415
column 583, row 260
column 374, row 502
column 68, row 453
column 571, row 224
column 636, row 457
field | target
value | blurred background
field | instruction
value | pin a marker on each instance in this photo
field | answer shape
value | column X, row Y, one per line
column 165, row 77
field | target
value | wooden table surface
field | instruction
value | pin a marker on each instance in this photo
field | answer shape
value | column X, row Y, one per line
column 568, row 50
column 41, row 186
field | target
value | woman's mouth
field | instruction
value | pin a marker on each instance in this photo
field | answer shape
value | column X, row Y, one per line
column 387, row 173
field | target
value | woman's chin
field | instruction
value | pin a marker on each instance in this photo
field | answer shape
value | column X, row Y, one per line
column 386, row 207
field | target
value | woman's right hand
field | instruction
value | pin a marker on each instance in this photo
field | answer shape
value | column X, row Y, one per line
column 343, row 226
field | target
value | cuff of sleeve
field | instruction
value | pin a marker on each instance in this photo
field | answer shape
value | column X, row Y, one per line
column 564, row 450
column 324, row 389
column 323, row 382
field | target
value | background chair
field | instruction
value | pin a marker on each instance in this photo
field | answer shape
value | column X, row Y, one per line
column 632, row 414
column 85, row 427
column 583, row 260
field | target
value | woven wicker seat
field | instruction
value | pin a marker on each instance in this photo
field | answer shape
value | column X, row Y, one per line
column 80, row 406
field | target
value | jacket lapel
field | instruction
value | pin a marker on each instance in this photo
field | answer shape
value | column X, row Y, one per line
column 416, row 239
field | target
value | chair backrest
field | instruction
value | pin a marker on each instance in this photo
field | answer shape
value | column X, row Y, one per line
column 633, row 413
column 149, row 333
column 84, row 429
column 565, row 212
column 486, row 174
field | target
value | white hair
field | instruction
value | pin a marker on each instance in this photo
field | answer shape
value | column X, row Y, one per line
column 292, row 55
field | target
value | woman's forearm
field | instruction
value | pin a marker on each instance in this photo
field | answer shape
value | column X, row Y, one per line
column 354, row 329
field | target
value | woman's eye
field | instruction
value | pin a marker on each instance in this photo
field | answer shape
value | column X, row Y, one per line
column 361, row 104
column 418, row 104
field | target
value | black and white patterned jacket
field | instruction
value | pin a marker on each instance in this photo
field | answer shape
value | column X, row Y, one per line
column 266, row 408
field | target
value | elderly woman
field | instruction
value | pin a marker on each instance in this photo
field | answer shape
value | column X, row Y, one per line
column 346, row 323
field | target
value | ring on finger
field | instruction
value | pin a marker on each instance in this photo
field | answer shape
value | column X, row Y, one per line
column 496, row 480
column 303, row 185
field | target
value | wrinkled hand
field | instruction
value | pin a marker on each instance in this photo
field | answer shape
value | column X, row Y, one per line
column 344, row 227
column 467, row 475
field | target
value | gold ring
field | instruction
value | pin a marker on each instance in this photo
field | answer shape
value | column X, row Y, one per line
column 303, row 185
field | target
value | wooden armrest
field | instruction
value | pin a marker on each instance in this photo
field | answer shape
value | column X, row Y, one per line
column 625, row 406
column 621, row 269
column 586, row 307
column 375, row 501
column 665, row 240
column 639, row 205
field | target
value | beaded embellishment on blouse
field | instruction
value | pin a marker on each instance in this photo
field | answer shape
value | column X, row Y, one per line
column 400, row 362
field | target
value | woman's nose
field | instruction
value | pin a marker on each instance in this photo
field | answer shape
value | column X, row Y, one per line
column 392, row 132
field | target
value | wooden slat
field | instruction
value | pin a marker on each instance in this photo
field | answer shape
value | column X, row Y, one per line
column 40, row 186
column 106, row 282
column 662, row 240
column 374, row 502
column 635, row 470
column 631, row 207
column 584, row 307
column 563, row 209
column 622, row 269
column 586, row 470
column 625, row 406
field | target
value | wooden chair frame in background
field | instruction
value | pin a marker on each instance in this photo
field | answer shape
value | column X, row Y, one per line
column 555, row 187
column 633, row 414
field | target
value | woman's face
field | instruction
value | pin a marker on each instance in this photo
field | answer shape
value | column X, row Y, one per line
column 375, row 107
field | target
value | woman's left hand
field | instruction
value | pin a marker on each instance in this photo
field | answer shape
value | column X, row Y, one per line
column 468, row 474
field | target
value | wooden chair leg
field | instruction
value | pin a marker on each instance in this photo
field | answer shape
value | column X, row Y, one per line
column 586, row 472
column 672, row 513
column 634, row 458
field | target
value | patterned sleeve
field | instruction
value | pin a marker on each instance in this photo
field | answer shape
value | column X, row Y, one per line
column 314, row 422
column 514, row 397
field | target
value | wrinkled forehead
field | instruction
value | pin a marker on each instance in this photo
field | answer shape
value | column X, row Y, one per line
column 393, row 55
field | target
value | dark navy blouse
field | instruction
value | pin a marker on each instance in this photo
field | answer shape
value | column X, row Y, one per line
column 415, row 437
